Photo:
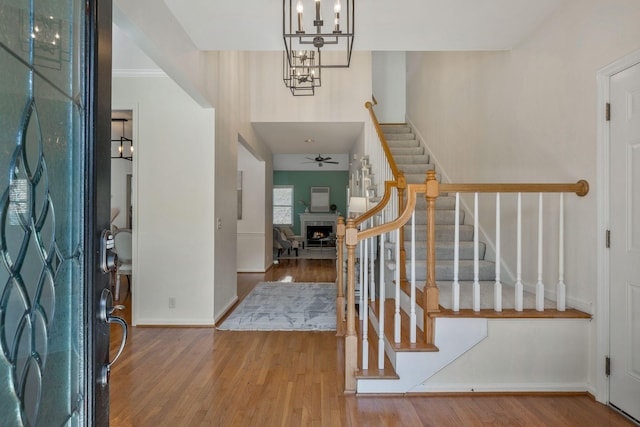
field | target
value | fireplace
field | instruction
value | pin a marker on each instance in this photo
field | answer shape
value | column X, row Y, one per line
column 318, row 228
column 318, row 235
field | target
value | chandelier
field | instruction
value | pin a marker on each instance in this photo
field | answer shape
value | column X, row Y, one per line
column 305, row 30
column 302, row 76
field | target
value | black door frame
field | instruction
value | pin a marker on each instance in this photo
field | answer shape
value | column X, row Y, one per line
column 97, row 203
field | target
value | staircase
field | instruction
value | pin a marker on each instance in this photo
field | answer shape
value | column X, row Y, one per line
column 413, row 161
column 412, row 367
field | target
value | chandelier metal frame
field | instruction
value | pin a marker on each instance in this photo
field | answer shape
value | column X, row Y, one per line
column 338, row 39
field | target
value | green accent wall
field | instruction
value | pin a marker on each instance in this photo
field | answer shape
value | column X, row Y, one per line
column 302, row 182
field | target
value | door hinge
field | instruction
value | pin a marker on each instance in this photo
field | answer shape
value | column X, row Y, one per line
column 607, row 365
column 608, row 239
column 607, row 112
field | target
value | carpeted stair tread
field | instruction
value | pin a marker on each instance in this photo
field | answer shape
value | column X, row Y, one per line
column 444, row 270
column 445, row 250
column 403, row 143
column 410, row 168
column 422, row 159
column 443, row 216
column 407, row 151
column 442, row 202
column 444, row 232
column 395, row 128
column 418, row 178
column 395, row 136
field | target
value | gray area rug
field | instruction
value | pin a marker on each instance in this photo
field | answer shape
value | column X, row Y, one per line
column 285, row 306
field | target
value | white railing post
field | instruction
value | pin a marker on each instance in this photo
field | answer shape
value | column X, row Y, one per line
column 476, row 257
column 381, row 302
column 497, row 287
column 360, row 280
column 372, row 274
column 455, row 286
column 396, row 320
column 540, row 284
column 561, row 289
column 364, row 291
column 519, row 287
column 412, row 315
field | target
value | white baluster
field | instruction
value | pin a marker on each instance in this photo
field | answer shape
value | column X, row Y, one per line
column 361, row 281
column 412, row 315
column 372, row 276
column 561, row 288
column 540, row 285
column 381, row 303
column 497, row 287
column 519, row 289
column 455, row 286
column 365, row 310
column 476, row 257
column 396, row 320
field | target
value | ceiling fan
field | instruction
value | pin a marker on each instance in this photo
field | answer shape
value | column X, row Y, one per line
column 320, row 160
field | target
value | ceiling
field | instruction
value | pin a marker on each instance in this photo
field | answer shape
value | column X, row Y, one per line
column 308, row 137
column 380, row 24
column 411, row 25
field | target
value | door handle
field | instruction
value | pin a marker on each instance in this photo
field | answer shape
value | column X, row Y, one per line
column 105, row 314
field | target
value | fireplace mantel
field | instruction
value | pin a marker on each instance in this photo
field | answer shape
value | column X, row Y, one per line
column 307, row 219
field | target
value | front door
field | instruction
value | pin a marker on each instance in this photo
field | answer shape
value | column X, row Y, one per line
column 624, row 254
column 54, row 68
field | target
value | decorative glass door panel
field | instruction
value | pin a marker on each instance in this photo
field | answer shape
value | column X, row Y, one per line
column 43, row 353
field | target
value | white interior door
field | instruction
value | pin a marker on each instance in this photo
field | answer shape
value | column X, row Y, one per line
column 625, row 241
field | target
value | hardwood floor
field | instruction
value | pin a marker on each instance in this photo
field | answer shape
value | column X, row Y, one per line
column 206, row 377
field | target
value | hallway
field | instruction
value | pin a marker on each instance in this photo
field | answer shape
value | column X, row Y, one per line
column 204, row 377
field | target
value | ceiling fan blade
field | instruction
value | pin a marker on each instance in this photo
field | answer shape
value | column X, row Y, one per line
column 335, row 163
column 309, row 158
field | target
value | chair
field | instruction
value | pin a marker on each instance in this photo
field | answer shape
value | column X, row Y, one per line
column 280, row 242
column 122, row 243
column 293, row 237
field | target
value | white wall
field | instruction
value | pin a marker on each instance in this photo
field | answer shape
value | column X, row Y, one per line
column 543, row 355
column 389, row 85
column 174, row 203
column 231, row 71
column 536, row 107
column 341, row 97
column 251, row 254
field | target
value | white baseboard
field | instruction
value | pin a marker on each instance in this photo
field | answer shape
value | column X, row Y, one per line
column 251, row 270
column 501, row 388
column 175, row 322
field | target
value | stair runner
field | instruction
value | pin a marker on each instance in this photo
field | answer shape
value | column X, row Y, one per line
column 412, row 159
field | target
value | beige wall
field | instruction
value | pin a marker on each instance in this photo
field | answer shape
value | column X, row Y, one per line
column 173, row 201
column 341, row 97
column 529, row 115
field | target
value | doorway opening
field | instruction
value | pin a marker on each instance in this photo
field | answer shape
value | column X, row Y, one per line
column 122, row 152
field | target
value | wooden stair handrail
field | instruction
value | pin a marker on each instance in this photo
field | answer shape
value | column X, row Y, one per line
column 581, row 188
column 381, row 204
column 383, row 140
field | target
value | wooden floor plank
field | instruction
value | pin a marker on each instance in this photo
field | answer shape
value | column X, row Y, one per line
column 205, row 377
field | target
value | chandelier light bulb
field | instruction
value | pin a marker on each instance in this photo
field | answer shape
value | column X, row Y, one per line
column 337, row 7
column 299, row 9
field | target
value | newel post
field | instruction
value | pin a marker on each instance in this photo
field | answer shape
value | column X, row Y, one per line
column 351, row 340
column 340, row 232
column 430, row 294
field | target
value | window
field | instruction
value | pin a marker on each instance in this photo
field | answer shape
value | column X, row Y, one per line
column 283, row 205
